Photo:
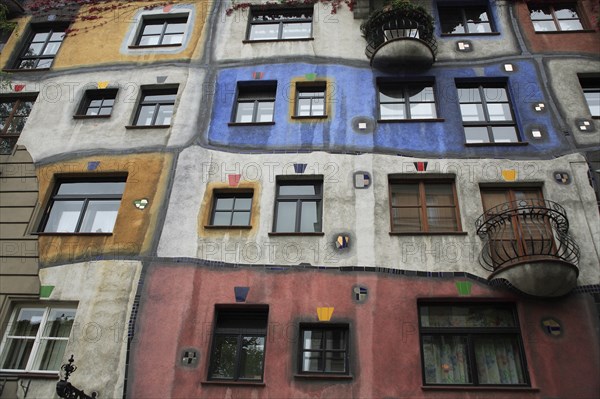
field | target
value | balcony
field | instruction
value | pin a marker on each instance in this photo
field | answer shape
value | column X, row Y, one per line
column 528, row 244
column 400, row 38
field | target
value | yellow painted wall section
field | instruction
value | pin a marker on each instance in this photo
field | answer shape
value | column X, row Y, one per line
column 147, row 177
column 13, row 41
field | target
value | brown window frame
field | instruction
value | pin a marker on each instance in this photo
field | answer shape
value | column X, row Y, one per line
column 17, row 102
column 557, row 20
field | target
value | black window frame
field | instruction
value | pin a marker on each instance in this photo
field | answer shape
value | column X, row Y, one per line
column 255, row 313
column 317, row 182
column 10, row 137
column 235, row 194
column 34, row 30
column 94, row 95
column 86, row 198
column 164, row 21
column 273, row 10
column 254, row 93
column 488, row 123
column 345, row 328
column 465, row 21
column 470, row 333
column 405, row 87
column 155, row 91
column 319, row 92
column 589, row 84
column 552, row 8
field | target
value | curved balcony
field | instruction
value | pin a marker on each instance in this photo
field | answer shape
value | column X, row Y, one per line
column 400, row 39
column 528, row 244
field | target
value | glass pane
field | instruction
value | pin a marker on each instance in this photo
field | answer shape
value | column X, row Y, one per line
column 105, row 111
column 224, row 357
column 498, row 360
column 335, row 339
column 34, row 49
column 406, row 219
column 153, row 29
column 439, row 194
column 421, row 94
column 540, row 12
column 446, row 359
column 224, row 203
column 472, row 112
column 477, row 20
column 145, row 116
column 165, row 113
column 451, row 18
column 466, row 316
column 495, row 94
column 304, row 107
column 149, row 41
column 311, row 361
column 505, row 134
column 222, row 218
column 243, row 204
column 265, row 111
column 405, row 194
column 95, row 103
column 441, row 219
column 264, row 32
column 45, row 63
column 100, row 216
column 312, row 339
column 392, row 111
column 422, row 111
column 175, row 28
column 244, row 112
column 162, row 98
column 52, row 48
column 304, row 189
column 173, row 39
column 6, row 108
column 40, row 37
column 286, row 217
column 499, row 112
column 102, row 188
column 593, row 101
column 50, row 354
column 335, row 362
column 310, row 220
column 296, row 30
column 241, row 218
column 16, row 125
column 57, row 36
column 477, row 134
column 544, row 26
column 563, row 11
column 16, row 354
column 251, row 358
column 59, row 323
column 318, row 107
column 469, row 95
column 391, row 95
column 570, row 24
column 27, row 323
column 64, row 216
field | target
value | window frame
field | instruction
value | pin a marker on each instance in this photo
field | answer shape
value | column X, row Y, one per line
column 239, row 332
column 398, row 179
column 469, row 333
column 233, row 193
column 153, row 19
column 589, row 84
column 93, row 95
column 316, row 181
column 254, row 91
column 17, row 101
column 33, row 31
column 324, row 328
column 310, row 87
column 555, row 19
column 86, row 198
column 262, row 10
column 462, row 8
column 154, row 91
column 405, row 87
column 38, row 338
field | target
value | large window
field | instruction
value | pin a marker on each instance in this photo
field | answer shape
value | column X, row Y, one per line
column 555, row 17
column 591, row 92
column 471, row 344
column 156, row 107
column 298, row 207
column 41, row 47
column 428, row 206
column 406, row 101
column 14, row 112
column 459, row 20
column 97, row 103
column 36, row 338
column 238, row 348
column 280, row 24
column 84, row 206
column 310, row 100
column 162, row 31
column 255, row 103
column 487, row 114
column 231, row 208
column 323, row 349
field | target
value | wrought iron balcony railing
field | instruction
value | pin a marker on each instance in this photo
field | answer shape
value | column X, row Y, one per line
column 525, row 231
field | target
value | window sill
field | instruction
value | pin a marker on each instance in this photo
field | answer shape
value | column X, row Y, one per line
column 25, row 70
column 410, row 120
column 276, row 233
column 478, row 388
column 250, row 123
column 516, row 144
column 142, row 127
column 309, row 116
column 30, row 374
column 429, row 233
column 554, row 32
column 237, row 383
column 214, row 227
column 303, row 39
column 324, row 376
column 470, row 34
column 91, row 116
column 154, row 46
column 49, row 233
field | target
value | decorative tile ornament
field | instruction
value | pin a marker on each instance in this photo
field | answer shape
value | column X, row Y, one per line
column 167, row 8
column 509, row 174
column 342, row 242
column 362, row 179
column 463, row 288
column 362, row 125
column 19, row 88
column 299, row 168
column 539, row 107
column 234, row 180
column 562, row 177
column 465, row 46
column 103, row 85
column 161, row 79
column 585, row 125
column 93, row 165
column 420, row 166
column 324, row 314
column 359, row 293
column 310, row 76
column 141, row 204
column 552, row 327
column 241, row 293
column 46, row 291
column 257, row 75
column 536, row 132
column 509, row 67
column 190, row 357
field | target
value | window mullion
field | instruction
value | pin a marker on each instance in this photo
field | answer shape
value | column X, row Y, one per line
column 82, row 215
column 423, row 199
column 406, row 103
column 464, row 18
column 37, row 340
column 472, row 361
column 238, row 358
column 298, row 215
column 555, row 18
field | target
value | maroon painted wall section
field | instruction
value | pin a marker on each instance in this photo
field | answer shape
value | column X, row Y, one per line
column 178, row 305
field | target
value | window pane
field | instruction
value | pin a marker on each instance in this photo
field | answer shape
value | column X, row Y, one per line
column 593, row 101
column 391, row 94
column 310, row 220
column 469, row 95
column 175, row 28
column 34, row 49
column 16, row 354
column 466, row 316
column 498, row 360
column 40, row 37
column 335, row 339
column 222, row 218
column 52, row 48
column 50, row 354
column 505, row 134
column 565, row 12
column 243, row 203
column 253, row 350
column 224, row 357
column 264, row 32
column 304, row 107
column 265, row 111
column 540, row 12
column 286, row 217
column 103, row 188
column 296, row 30
column 149, row 40
column 439, row 194
column 165, row 112
column 499, row 112
column 472, row 112
column 27, row 323
column 392, row 111
column 312, row 339
column 572, row 24
column 153, row 29
column 311, row 361
column 105, row 111
column 59, row 323
column 477, row 20
column 405, row 195
column 495, row 94
column 241, row 219
column 173, row 39
column 64, row 216
column 406, row 219
column 304, row 189
column 224, row 204
column 335, row 362
column 100, row 216
column 451, row 19
column 446, row 359
column 244, row 112
column 146, row 115
column 477, row 134
column 441, row 219
column 16, row 125
column 422, row 111
column 544, row 26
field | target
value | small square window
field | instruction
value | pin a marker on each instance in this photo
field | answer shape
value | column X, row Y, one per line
column 558, row 17
column 41, row 47
column 238, row 347
column 280, row 24
column 36, row 338
column 97, row 103
column 231, row 208
column 310, row 100
column 14, row 112
column 591, row 93
column 160, row 32
column 156, row 107
column 399, row 101
column 298, row 206
column 471, row 344
column 323, row 349
column 465, row 20
column 255, row 103
column 79, row 206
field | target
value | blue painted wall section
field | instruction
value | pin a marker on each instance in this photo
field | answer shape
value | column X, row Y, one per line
column 354, row 94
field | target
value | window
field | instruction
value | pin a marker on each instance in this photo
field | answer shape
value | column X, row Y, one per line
column 162, row 31
column 41, row 48
column 428, row 206
column 231, row 208
column 298, row 207
column 406, row 101
column 84, row 206
column 36, row 338
column 97, row 103
column 310, row 100
column 471, row 344
column 238, row 348
column 459, row 20
column 156, row 107
column 487, row 114
column 555, row 17
column 14, row 112
column 280, row 24
column 324, row 349
column 255, row 103
column 591, row 92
